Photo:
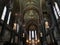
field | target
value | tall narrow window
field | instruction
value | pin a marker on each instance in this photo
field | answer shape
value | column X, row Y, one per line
column 57, row 8
column 55, row 12
column 9, row 18
column 17, row 27
column 29, row 35
column 4, row 13
column 33, row 34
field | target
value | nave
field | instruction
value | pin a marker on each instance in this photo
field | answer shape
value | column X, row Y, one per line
column 29, row 22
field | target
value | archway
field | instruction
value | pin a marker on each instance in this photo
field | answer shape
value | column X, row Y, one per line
column 32, row 34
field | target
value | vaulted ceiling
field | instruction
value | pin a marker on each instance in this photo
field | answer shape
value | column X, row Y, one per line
column 30, row 8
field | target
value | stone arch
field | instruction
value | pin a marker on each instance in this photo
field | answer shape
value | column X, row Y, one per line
column 31, row 22
column 31, row 8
